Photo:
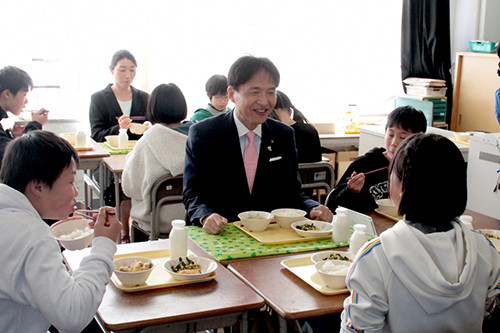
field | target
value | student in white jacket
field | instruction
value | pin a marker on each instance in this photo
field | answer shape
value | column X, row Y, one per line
column 159, row 152
column 36, row 290
column 428, row 273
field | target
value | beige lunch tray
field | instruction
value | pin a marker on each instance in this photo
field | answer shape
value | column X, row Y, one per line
column 392, row 217
column 459, row 141
column 87, row 147
column 131, row 145
column 274, row 235
column 303, row 267
column 493, row 238
column 159, row 277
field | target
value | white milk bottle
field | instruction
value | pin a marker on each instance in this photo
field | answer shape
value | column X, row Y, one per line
column 467, row 220
column 80, row 139
column 358, row 238
column 340, row 232
column 123, row 139
column 178, row 239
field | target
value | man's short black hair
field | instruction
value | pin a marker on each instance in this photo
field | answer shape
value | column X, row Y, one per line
column 433, row 175
column 36, row 156
column 216, row 85
column 166, row 105
column 407, row 118
column 247, row 66
column 14, row 79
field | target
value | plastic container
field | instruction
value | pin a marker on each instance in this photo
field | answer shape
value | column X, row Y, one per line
column 340, row 232
column 80, row 139
column 178, row 240
column 482, row 46
column 467, row 220
column 123, row 139
column 358, row 238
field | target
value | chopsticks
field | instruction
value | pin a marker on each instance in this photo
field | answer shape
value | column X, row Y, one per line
column 367, row 173
column 82, row 211
column 139, row 118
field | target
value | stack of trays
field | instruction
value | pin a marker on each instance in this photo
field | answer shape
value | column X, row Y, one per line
column 425, row 87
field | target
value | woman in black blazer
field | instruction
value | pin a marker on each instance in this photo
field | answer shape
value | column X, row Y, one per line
column 117, row 105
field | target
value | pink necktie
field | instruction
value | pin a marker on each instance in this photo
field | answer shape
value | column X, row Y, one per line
column 250, row 160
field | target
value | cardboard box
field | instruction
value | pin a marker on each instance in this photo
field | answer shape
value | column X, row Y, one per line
column 343, row 160
column 332, row 158
column 325, row 128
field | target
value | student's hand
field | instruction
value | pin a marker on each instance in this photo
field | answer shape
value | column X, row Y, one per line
column 356, row 183
column 214, row 224
column 42, row 116
column 107, row 224
column 124, row 121
column 148, row 124
column 321, row 213
column 17, row 130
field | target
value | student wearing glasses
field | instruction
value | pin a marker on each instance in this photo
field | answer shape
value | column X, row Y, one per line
column 216, row 88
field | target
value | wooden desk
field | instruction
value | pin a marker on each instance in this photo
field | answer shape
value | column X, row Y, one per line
column 224, row 301
column 115, row 164
column 90, row 160
column 291, row 297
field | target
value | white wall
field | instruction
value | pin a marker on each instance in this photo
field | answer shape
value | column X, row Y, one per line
column 330, row 53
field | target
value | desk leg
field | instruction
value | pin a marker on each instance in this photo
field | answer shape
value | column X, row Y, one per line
column 117, row 194
column 90, row 187
column 283, row 324
column 102, row 183
column 244, row 323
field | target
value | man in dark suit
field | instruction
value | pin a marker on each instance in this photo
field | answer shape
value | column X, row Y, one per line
column 216, row 184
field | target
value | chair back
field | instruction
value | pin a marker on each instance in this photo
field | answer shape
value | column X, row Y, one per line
column 317, row 175
column 166, row 190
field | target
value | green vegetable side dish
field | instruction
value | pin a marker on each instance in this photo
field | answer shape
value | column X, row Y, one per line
column 306, row 227
column 188, row 265
column 336, row 256
column 490, row 235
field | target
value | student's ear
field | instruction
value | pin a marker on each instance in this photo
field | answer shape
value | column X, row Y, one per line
column 230, row 93
column 36, row 188
column 208, row 95
column 5, row 94
column 111, row 70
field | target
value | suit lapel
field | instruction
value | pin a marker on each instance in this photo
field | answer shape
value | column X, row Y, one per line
column 113, row 102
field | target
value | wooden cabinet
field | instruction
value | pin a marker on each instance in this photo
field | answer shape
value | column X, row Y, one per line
column 476, row 81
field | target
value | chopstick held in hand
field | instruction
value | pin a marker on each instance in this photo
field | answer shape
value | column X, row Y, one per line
column 367, row 173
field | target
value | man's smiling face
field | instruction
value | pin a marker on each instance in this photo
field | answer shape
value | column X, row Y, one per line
column 255, row 99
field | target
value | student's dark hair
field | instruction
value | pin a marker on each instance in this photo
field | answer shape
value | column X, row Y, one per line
column 433, row 175
column 119, row 55
column 14, row 79
column 407, row 118
column 216, row 85
column 247, row 66
column 166, row 105
column 36, row 156
column 283, row 102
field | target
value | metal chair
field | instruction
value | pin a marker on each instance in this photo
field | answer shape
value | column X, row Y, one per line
column 317, row 175
column 167, row 190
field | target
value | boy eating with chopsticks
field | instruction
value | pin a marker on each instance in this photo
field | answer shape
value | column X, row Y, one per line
column 365, row 181
column 37, row 181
